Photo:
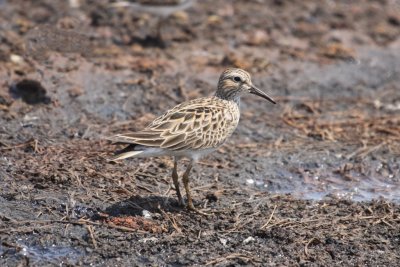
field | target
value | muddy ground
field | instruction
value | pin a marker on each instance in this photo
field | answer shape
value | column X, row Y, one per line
column 311, row 181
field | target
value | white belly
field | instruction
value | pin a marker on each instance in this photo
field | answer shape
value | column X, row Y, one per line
column 191, row 154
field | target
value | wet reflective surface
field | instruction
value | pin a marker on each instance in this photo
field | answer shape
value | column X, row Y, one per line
column 311, row 180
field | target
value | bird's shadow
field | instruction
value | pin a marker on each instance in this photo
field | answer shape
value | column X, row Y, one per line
column 135, row 205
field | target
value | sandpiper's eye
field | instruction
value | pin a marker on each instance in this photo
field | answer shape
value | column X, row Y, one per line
column 237, row 79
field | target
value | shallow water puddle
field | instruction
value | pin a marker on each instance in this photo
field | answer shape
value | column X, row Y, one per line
column 360, row 181
column 59, row 255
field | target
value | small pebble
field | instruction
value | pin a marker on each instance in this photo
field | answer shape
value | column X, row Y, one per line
column 249, row 181
column 146, row 214
column 223, row 241
column 16, row 59
column 248, row 240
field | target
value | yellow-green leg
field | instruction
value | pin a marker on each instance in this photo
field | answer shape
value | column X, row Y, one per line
column 175, row 179
column 185, row 179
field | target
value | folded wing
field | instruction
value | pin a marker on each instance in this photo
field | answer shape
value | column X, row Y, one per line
column 191, row 125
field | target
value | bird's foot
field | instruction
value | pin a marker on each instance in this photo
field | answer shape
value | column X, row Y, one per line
column 192, row 208
column 181, row 202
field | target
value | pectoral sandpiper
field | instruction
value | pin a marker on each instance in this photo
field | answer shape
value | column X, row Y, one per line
column 192, row 129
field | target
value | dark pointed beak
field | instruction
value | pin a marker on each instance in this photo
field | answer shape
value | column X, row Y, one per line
column 255, row 91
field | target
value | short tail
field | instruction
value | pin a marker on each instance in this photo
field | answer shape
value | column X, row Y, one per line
column 125, row 153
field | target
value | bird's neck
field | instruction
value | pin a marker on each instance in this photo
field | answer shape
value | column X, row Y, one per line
column 229, row 95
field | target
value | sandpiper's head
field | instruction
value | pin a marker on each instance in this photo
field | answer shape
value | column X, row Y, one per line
column 233, row 83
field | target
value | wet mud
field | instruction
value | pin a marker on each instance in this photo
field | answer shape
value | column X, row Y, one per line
column 311, row 181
